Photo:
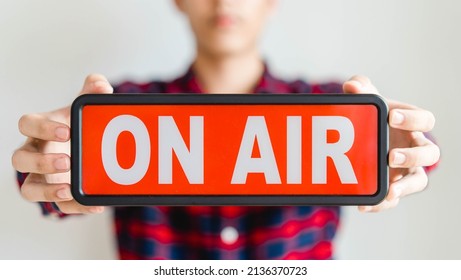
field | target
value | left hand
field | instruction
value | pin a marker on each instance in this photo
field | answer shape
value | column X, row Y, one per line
column 409, row 150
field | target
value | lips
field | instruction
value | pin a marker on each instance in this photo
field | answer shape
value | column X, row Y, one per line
column 224, row 21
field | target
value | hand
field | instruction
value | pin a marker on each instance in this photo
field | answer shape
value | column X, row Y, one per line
column 409, row 150
column 45, row 154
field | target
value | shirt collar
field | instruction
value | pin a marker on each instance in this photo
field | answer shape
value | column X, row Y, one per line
column 266, row 84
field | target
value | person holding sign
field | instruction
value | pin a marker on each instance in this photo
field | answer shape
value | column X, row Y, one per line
column 227, row 61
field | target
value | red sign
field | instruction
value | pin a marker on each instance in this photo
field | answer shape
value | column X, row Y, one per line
column 229, row 149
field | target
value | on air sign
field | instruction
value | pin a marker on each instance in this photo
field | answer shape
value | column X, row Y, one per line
column 229, row 149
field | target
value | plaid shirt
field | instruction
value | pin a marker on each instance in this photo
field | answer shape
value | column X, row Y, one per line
column 222, row 232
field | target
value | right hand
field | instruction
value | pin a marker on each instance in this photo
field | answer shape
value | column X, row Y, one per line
column 45, row 154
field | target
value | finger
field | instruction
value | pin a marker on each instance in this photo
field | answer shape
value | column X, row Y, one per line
column 73, row 207
column 359, row 84
column 37, row 190
column 31, row 145
column 426, row 155
column 40, row 127
column 397, row 104
column 411, row 183
column 33, row 162
column 412, row 120
column 384, row 205
column 96, row 83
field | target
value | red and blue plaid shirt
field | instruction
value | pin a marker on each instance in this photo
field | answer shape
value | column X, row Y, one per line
column 223, row 232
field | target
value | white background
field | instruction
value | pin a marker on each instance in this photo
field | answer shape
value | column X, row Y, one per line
column 410, row 49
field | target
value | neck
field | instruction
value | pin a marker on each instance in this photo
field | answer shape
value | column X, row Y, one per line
column 229, row 73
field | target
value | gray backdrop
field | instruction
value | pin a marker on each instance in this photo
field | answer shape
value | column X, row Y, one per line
column 410, row 49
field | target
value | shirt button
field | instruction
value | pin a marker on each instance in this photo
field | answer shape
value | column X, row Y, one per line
column 229, row 235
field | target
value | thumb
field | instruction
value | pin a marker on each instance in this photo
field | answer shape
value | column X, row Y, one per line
column 96, row 83
column 359, row 84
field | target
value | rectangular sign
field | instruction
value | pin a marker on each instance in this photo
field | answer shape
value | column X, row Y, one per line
column 229, row 149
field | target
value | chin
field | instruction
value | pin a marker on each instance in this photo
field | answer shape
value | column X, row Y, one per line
column 226, row 47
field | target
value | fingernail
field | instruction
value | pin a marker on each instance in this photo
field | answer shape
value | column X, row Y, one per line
column 399, row 158
column 96, row 210
column 64, row 194
column 365, row 208
column 102, row 85
column 62, row 163
column 356, row 83
column 397, row 192
column 397, row 118
column 62, row 133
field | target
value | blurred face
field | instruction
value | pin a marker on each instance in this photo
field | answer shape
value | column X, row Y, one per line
column 225, row 27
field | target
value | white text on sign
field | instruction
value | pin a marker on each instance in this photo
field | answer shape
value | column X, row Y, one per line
column 192, row 159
